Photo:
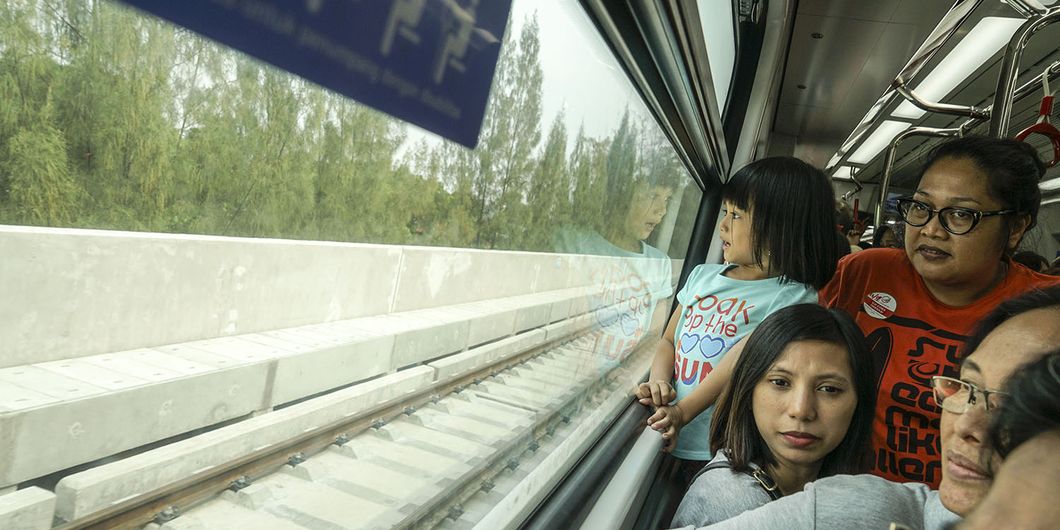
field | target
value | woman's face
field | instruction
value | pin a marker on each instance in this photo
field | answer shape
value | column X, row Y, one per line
column 804, row 404
column 946, row 260
column 966, row 456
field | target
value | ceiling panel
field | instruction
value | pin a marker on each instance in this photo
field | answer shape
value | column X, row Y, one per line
column 878, row 10
column 828, row 66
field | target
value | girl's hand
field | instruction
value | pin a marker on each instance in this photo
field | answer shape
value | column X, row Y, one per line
column 668, row 421
column 655, row 393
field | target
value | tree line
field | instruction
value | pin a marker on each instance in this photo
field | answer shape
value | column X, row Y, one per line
column 111, row 119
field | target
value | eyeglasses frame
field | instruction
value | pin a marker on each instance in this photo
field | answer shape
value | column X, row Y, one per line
column 974, row 389
column 977, row 215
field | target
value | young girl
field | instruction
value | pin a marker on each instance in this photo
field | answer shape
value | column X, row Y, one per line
column 779, row 248
column 799, row 407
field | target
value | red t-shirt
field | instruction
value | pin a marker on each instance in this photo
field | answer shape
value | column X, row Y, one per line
column 911, row 337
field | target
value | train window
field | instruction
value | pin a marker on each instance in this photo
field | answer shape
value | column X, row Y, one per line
column 206, row 243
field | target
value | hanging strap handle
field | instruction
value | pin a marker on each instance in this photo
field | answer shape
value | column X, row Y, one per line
column 1043, row 126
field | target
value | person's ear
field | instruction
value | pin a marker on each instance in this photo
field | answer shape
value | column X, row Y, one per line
column 1017, row 229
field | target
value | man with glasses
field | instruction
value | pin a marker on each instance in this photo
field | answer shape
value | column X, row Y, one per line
column 973, row 424
column 974, row 201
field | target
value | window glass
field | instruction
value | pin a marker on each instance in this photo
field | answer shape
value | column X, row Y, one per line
column 560, row 236
column 119, row 121
column 717, row 20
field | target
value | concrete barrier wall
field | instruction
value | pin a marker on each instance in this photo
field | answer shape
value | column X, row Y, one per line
column 69, row 293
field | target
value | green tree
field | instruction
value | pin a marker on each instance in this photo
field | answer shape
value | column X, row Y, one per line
column 549, row 188
column 510, row 133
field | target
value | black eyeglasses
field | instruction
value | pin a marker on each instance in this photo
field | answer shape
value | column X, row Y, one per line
column 954, row 219
column 957, row 396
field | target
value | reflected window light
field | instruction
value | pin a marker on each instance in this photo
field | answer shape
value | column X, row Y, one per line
column 843, row 172
column 878, row 141
column 716, row 17
column 1050, row 184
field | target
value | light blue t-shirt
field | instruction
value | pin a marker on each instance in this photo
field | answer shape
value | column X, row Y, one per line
column 718, row 312
column 625, row 291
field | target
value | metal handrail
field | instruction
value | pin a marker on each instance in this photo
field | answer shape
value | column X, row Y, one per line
column 1026, row 8
column 892, row 149
column 888, row 165
column 942, row 108
column 1001, row 109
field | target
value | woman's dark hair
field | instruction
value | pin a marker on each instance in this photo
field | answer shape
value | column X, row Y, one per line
column 1029, row 301
column 1012, row 169
column 877, row 235
column 1032, row 406
column 1031, row 259
column 791, row 205
column 733, row 426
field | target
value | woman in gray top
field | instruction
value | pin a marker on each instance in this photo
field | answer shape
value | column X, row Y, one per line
column 1017, row 332
column 799, row 406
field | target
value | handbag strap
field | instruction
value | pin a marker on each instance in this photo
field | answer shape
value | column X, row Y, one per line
column 759, row 474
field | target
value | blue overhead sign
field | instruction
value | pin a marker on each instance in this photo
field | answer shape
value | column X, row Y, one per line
column 429, row 62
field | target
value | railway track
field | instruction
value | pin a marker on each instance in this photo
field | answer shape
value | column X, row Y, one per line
column 449, row 456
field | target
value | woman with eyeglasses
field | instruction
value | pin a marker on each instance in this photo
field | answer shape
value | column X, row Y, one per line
column 975, row 200
column 1017, row 333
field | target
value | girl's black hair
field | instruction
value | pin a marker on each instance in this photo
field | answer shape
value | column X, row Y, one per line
column 1012, row 169
column 791, row 205
column 1032, row 406
column 733, row 426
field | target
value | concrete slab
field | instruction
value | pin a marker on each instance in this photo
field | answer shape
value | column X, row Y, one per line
column 432, row 277
column 487, row 321
column 14, row 397
column 93, row 374
column 315, row 371
column 493, row 413
column 97, row 488
column 75, row 283
column 132, row 366
column 228, row 512
column 461, row 363
column 407, row 459
column 410, row 433
column 164, row 361
column 513, row 396
column 466, row 427
column 27, row 509
column 318, row 506
column 67, row 433
column 370, row 481
column 440, row 335
column 49, row 383
column 533, row 316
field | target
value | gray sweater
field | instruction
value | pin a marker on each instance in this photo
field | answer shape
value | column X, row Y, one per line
column 850, row 501
column 718, row 494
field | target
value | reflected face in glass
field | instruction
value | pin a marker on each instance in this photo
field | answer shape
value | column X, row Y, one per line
column 735, row 234
column 966, row 454
column 647, row 210
column 942, row 258
column 804, row 404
